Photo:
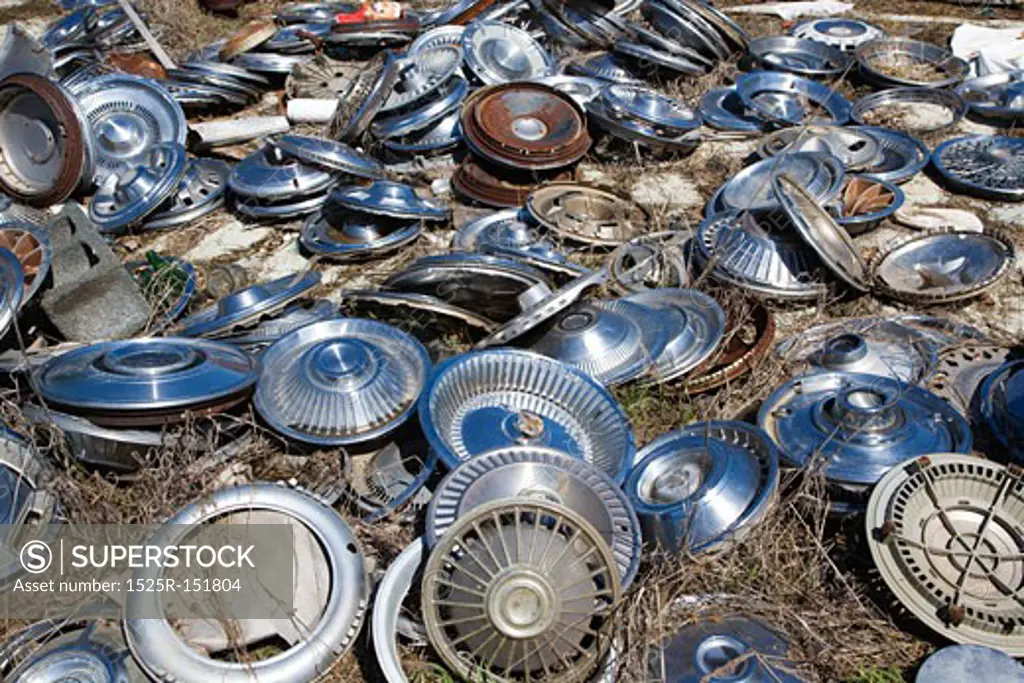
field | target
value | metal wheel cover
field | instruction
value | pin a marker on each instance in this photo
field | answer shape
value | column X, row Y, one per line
column 294, row 316
column 392, row 592
column 341, row 381
column 996, row 406
column 584, row 584
column 510, row 228
column 270, row 175
column 962, row 370
column 784, row 98
column 988, row 166
column 742, row 252
column 586, row 214
column 580, row 88
column 711, row 644
column 227, row 71
column 144, row 375
column 647, row 55
column 364, row 97
column 996, row 96
column 911, row 99
column 831, row 242
column 868, row 346
column 89, row 651
column 391, row 199
column 640, row 131
column 448, row 35
column 877, row 58
column 484, row 400
column 128, row 115
column 944, row 504
column 487, row 285
column 356, row 236
column 70, row 29
column 156, row 646
column 281, row 210
column 499, row 53
column 200, row 192
column 419, row 303
column 664, row 113
column 30, row 244
column 546, row 307
column 652, row 261
column 688, row 30
column 422, row 75
column 539, row 473
column 903, row 156
column 437, row 138
column 122, row 200
column 941, row 266
column 695, row 487
column 525, row 126
column 389, row 481
column 246, row 306
column 121, row 450
column 43, row 166
column 265, row 62
column 612, row 341
column 449, row 100
column 722, row 108
column 802, row 57
column 12, row 288
column 749, row 333
column 844, row 33
column 855, row 147
column 606, row 67
column 860, row 425
column 752, row 189
column 697, row 338
column 955, row 663
column 330, row 155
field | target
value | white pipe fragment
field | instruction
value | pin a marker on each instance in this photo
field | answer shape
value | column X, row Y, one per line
column 233, row 131
column 311, row 110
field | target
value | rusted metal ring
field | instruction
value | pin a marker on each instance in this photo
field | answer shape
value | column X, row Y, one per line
column 737, row 356
column 71, row 133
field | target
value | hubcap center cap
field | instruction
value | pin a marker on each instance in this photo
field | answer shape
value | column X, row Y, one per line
column 522, row 605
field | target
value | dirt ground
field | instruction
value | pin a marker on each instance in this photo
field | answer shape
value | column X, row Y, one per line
column 806, row 576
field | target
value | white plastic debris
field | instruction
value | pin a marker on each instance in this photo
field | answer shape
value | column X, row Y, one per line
column 989, row 50
column 311, row 110
column 938, row 218
column 792, row 10
column 233, row 131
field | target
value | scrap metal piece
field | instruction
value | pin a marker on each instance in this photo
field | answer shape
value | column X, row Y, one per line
column 788, row 99
column 859, row 426
column 487, row 285
column 333, row 627
column 746, row 250
column 686, row 28
column 119, row 450
column 694, row 341
column 418, row 303
column 341, row 381
column 391, row 479
column 995, row 97
column 916, row 110
column 749, row 333
column 587, row 214
column 800, row 56
column 525, row 602
column 650, row 261
column 693, row 490
column 128, row 116
column 525, row 125
column 146, row 381
column 31, row 246
column 484, row 400
column 831, row 242
column 245, row 307
column 659, row 59
column 391, row 199
column 200, row 191
column 987, row 166
column 751, row 189
column 364, row 97
column 349, row 237
column 440, row 137
column 856, row 147
column 45, row 145
column 124, row 200
column 613, row 341
column 330, row 155
column 499, row 53
column 943, row 500
column 12, row 288
column 731, row 643
column 537, row 472
column 295, row 315
column 895, row 62
column 449, row 100
column 844, row 33
column 941, row 266
column 722, row 108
